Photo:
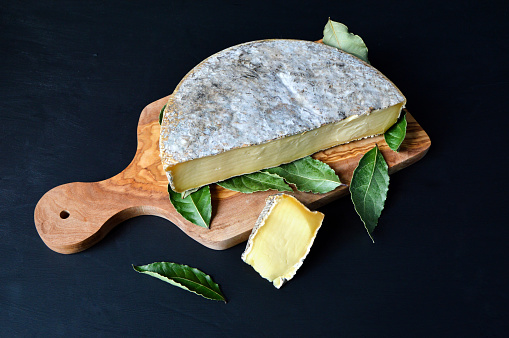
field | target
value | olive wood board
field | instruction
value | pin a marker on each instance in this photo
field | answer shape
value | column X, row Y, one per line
column 72, row 217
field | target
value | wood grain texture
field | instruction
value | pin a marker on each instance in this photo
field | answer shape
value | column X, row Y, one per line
column 74, row 216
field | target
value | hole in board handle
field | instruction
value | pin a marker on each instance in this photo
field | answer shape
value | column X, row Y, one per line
column 64, row 214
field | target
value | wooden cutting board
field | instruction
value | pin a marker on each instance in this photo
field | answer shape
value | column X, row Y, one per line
column 72, row 217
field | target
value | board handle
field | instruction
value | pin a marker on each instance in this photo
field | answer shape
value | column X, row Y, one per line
column 74, row 216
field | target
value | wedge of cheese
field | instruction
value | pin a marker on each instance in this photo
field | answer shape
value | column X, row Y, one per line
column 281, row 238
column 264, row 103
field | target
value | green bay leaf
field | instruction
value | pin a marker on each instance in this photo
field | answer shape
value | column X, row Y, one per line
column 308, row 174
column 196, row 207
column 257, row 181
column 185, row 277
column 336, row 34
column 395, row 135
column 161, row 113
column 368, row 188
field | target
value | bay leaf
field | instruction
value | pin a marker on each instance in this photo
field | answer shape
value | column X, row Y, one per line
column 395, row 135
column 336, row 34
column 257, row 181
column 161, row 113
column 308, row 174
column 185, row 277
column 368, row 188
column 196, row 207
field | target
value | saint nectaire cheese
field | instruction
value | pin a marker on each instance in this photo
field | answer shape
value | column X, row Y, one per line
column 264, row 103
column 281, row 238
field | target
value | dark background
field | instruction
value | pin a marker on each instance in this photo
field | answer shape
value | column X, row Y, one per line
column 74, row 77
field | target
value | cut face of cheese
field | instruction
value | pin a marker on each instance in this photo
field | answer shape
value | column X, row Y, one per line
column 265, row 103
column 281, row 238
column 202, row 171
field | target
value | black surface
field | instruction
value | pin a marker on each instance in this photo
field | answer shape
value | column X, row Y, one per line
column 74, row 77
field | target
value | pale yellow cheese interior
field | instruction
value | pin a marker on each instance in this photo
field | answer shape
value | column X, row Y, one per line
column 206, row 170
column 278, row 247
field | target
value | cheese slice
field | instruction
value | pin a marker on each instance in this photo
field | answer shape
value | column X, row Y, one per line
column 281, row 238
column 264, row 103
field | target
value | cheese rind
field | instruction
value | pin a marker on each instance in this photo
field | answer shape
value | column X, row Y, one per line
column 262, row 92
column 281, row 238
